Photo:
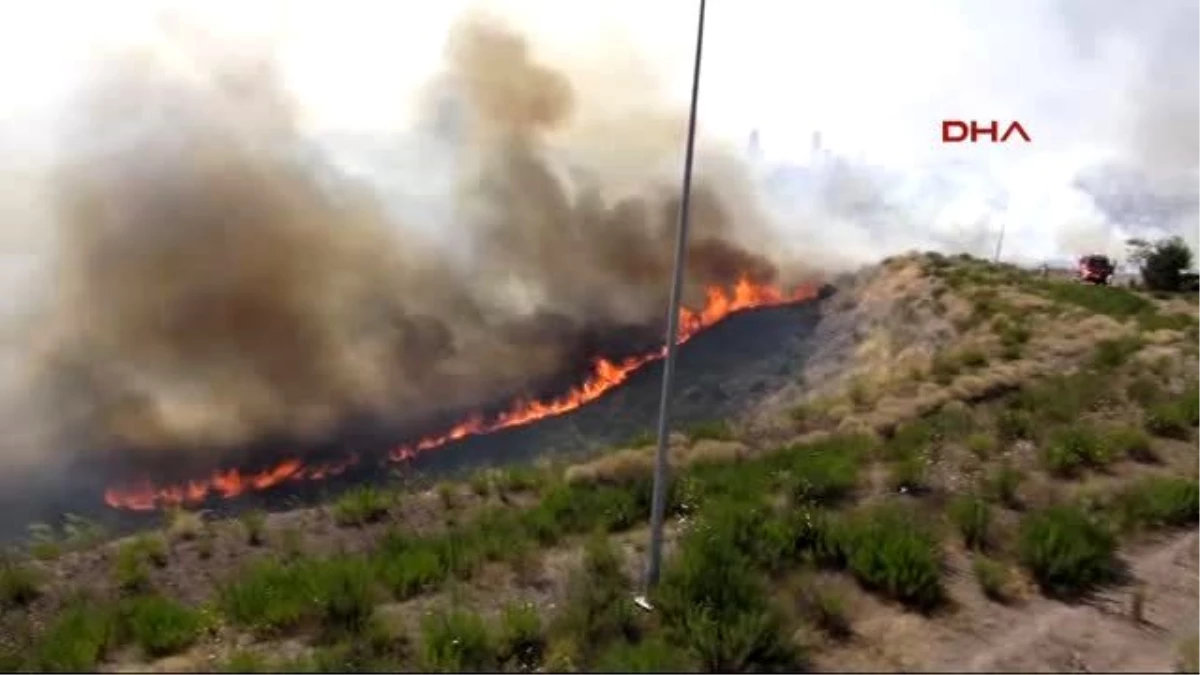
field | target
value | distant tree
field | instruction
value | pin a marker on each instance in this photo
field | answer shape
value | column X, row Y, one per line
column 1162, row 262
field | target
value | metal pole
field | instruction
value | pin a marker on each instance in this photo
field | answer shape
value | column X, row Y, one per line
column 659, row 502
column 1000, row 241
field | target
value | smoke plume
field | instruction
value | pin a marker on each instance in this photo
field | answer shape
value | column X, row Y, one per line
column 215, row 279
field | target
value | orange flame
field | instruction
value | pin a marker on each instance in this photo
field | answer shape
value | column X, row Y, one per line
column 606, row 374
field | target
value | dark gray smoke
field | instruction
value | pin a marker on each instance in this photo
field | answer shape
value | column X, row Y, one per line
column 216, row 280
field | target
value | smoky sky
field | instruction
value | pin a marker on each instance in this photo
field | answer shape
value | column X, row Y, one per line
column 210, row 275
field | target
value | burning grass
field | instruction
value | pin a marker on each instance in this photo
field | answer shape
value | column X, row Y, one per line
column 745, row 517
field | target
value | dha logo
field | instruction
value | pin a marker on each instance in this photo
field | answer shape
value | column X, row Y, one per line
column 957, row 131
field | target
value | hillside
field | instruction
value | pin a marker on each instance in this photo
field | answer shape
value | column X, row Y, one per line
column 974, row 468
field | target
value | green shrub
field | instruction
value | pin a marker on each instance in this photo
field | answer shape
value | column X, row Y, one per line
column 19, row 584
column 714, row 605
column 1145, row 390
column 1013, row 425
column 597, row 609
column 76, row 640
column 973, row 358
column 1130, row 442
column 521, row 642
column 1189, row 403
column 1168, row 420
column 713, row 430
column 907, row 473
column 337, row 593
column 993, row 578
column 254, row 522
column 158, row 625
column 981, row 445
column 827, row 610
column 456, row 641
column 972, row 516
column 1071, row 448
column 132, row 565
column 245, row 661
column 651, row 655
column 361, row 506
column 1157, row 502
column 890, row 552
column 1113, row 353
column 824, row 474
column 943, row 369
column 407, row 566
column 1067, row 552
column 1003, row 483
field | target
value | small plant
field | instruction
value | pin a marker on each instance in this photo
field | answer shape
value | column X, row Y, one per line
column 521, row 642
column 943, row 369
column 481, row 483
column 134, row 558
column 205, row 542
column 1144, row 390
column 254, row 522
column 972, row 516
column 907, row 473
column 1114, row 353
column 597, row 609
column 1003, row 483
column 1067, row 551
column 43, row 542
column 456, row 641
column 1158, row 502
column 714, row 430
column 973, row 358
column 19, row 584
column 827, row 610
column 446, row 494
column 158, row 625
column 981, row 445
column 361, row 506
column 651, row 655
column 1167, row 420
column 77, row 639
column 993, row 578
column 889, row 551
column 824, row 475
column 79, row 532
column 183, row 525
column 1072, row 448
column 1014, row 425
column 1130, row 442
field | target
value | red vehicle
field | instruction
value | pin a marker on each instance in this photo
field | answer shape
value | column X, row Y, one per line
column 1096, row 269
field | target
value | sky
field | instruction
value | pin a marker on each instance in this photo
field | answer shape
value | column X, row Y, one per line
column 1094, row 82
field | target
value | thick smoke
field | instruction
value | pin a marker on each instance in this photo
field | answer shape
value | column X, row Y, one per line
column 216, row 279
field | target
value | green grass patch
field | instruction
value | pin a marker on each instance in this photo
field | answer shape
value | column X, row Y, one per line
column 972, row 517
column 335, row 593
column 361, row 506
column 712, row 430
column 1070, row 449
column 890, row 551
column 456, row 640
column 76, row 640
column 20, row 584
column 1158, row 502
column 158, row 625
column 1003, row 483
column 1067, row 551
column 993, row 578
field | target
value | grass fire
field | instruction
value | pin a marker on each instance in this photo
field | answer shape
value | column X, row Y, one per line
column 606, row 374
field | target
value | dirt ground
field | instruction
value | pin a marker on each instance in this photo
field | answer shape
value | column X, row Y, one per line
column 1036, row 634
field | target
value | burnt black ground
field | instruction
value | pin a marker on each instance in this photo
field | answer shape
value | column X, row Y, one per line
column 720, row 373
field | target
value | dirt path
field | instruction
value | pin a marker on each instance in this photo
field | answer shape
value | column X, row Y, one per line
column 1037, row 634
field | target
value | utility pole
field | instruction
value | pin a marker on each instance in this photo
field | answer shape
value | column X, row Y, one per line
column 659, row 501
column 999, row 241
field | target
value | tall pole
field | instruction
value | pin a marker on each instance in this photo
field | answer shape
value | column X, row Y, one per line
column 659, row 502
column 999, row 241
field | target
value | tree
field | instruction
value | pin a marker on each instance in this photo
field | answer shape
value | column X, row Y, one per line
column 1162, row 262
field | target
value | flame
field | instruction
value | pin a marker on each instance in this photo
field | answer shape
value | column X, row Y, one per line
column 605, row 375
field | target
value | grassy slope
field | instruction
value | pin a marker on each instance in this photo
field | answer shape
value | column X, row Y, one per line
column 1056, row 422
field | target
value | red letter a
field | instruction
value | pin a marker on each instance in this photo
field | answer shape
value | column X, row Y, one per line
column 1015, row 127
